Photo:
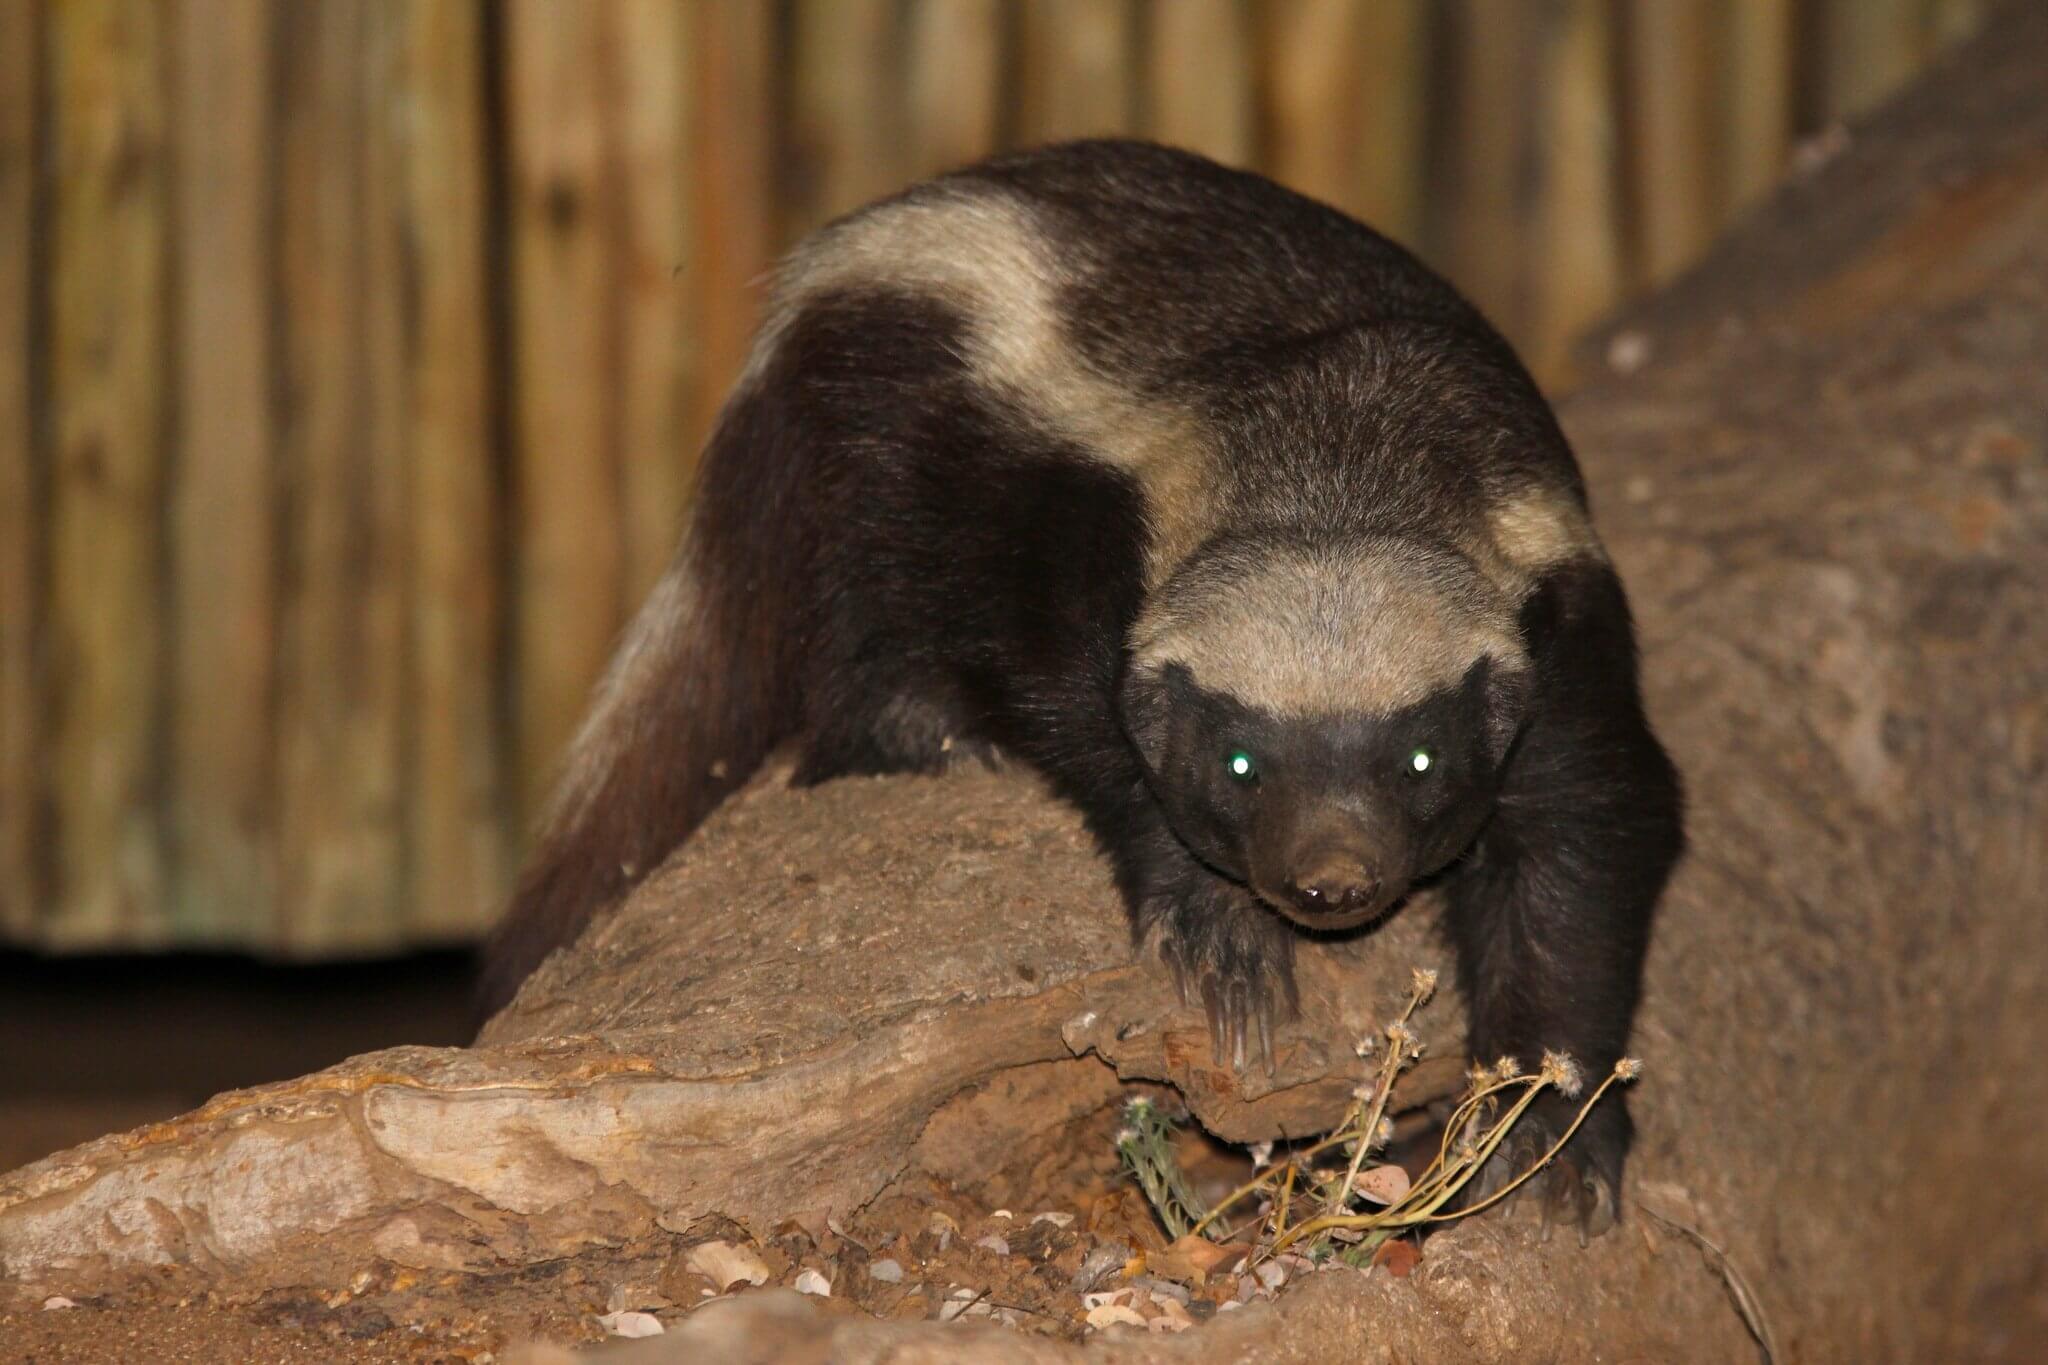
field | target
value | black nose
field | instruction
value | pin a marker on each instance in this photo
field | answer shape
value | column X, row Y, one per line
column 1334, row 887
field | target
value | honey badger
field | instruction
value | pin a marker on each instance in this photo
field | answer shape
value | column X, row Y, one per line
column 1220, row 511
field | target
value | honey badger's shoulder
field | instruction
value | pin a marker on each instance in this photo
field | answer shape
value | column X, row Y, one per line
column 1227, row 346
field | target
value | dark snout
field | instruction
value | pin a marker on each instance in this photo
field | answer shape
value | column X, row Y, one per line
column 1337, row 871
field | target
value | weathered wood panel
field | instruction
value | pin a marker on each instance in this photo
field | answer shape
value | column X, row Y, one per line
column 224, row 552
column 1757, row 94
column 1673, row 147
column 847, row 118
column 1576, row 221
column 1198, row 78
column 341, row 836
column 954, row 85
column 107, row 376
column 561, row 75
column 1344, row 98
column 1480, row 216
column 733, row 187
column 1077, row 72
column 456, row 760
column 355, row 357
column 21, row 493
column 655, row 273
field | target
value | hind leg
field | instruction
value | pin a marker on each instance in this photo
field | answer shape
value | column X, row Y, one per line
column 889, row 730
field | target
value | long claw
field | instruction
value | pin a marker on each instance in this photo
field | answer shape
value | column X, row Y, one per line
column 1266, row 1031
column 1215, row 1007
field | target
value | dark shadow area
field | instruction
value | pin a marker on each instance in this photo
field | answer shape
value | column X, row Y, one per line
column 92, row 1045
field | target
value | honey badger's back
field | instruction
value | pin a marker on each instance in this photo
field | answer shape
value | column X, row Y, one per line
column 984, row 422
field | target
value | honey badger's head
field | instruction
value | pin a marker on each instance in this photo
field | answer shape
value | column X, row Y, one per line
column 1326, row 723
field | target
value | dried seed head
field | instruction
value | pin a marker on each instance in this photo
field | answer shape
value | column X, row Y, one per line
column 1364, row 1046
column 1562, row 1072
column 1383, row 1132
column 1479, row 1077
column 1399, row 1034
column 1628, row 1068
column 1425, row 983
column 1508, row 1068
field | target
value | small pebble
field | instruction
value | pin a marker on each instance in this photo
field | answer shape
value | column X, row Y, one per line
column 630, row 1324
column 811, row 1282
column 995, row 1242
column 1628, row 352
column 887, row 1271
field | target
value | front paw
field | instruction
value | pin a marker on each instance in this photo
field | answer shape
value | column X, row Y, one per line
column 1237, row 958
column 1580, row 1187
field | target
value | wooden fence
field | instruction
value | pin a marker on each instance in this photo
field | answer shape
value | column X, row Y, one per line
column 354, row 353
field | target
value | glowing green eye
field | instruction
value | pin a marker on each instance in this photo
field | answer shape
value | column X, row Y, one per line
column 1420, row 762
column 1241, row 766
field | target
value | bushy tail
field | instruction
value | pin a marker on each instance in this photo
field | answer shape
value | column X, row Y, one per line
column 687, row 710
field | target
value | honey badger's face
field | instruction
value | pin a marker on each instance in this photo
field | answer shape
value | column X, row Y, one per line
column 1326, row 741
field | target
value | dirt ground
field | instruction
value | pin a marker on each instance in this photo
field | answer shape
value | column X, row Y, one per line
column 922, row 1251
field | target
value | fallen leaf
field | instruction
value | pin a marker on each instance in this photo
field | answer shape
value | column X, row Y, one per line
column 1383, row 1184
column 726, row 1265
column 1110, row 1314
column 1193, row 1259
column 1172, row 1317
column 1398, row 1256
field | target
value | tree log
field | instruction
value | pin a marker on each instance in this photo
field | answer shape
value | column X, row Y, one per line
column 1821, row 461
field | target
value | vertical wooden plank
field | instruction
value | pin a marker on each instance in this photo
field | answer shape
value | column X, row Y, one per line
column 1757, row 96
column 1079, row 71
column 106, row 542
column 454, row 773
column 21, row 479
column 1351, row 141
column 1479, row 228
column 223, row 547
column 341, row 836
column 389, row 303
column 1671, row 162
column 656, row 273
column 1575, row 249
column 846, row 140
column 733, row 186
column 1951, row 21
column 1199, row 63
column 570, row 549
column 1869, row 48
column 954, row 82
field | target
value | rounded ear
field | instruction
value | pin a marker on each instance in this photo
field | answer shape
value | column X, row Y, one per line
column 1505, row 691
column 1145, row 707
